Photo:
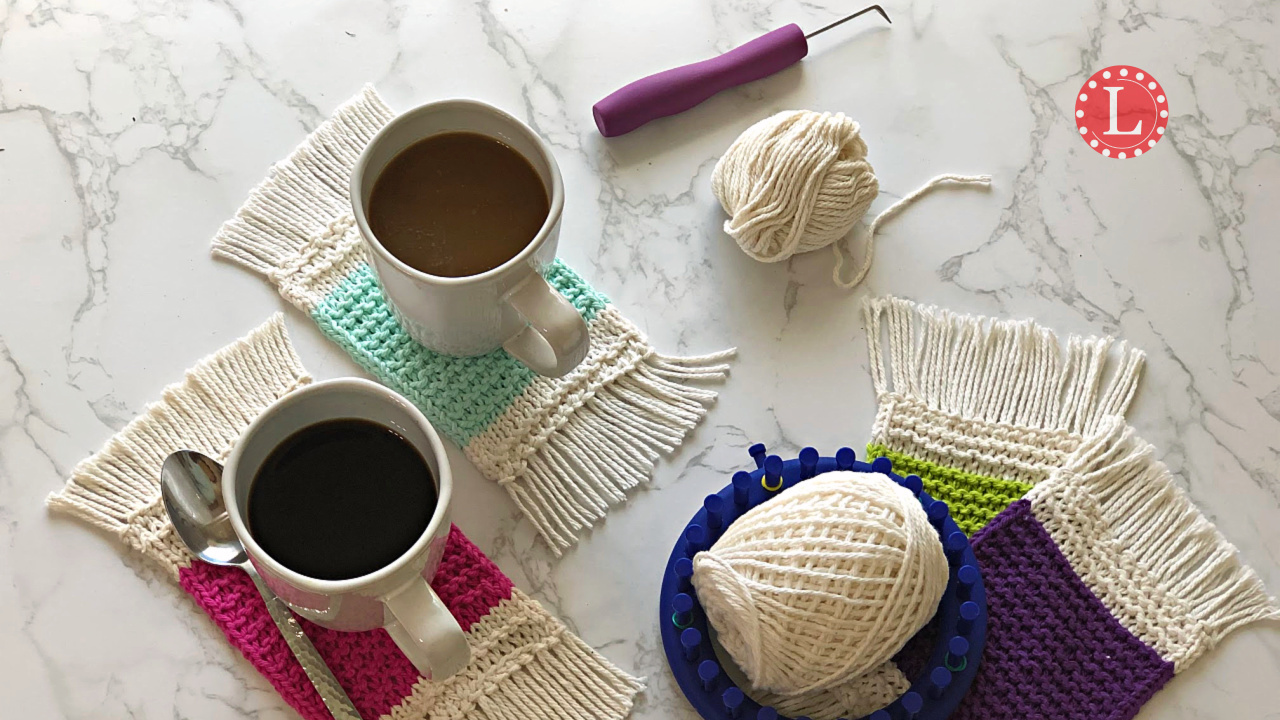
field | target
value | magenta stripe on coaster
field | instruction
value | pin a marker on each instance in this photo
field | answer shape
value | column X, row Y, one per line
column 369, row 666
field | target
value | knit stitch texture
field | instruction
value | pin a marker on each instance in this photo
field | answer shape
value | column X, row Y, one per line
column 1103, row 580
column 1053, row 652
column 461, row 396
column 973, row 499
column 524, row 663
column 565, row 449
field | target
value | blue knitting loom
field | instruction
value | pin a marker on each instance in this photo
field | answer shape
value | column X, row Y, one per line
column 961, row 618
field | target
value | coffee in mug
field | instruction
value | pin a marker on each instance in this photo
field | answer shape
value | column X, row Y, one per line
column 457, row 203
column 340, row 499
column 339, row 492
column 466, row 275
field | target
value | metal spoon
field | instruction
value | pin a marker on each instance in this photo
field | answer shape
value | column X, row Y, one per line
column 190, row 487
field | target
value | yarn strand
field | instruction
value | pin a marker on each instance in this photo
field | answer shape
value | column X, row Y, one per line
column 888, row 214
column 799, row 181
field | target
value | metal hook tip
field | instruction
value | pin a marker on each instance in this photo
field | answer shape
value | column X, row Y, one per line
column 847, row 18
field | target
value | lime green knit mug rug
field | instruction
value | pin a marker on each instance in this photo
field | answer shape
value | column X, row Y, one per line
column 565, row 449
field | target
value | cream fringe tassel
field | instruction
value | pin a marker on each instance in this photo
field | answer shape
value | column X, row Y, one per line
column 998, row 371
column 606, row 441
column 525, row 664
column 206, row 412
column 1138, row 541
column 304, row 193
column 117, row 489
column 565, row 450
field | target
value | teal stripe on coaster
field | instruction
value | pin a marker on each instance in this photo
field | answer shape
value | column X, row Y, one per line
column 585, row 298
column 460, row 396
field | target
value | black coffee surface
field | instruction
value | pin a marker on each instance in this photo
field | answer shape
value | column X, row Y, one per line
column 340, row 499
column 457, row 204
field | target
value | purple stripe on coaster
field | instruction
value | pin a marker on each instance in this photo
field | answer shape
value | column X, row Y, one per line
column 1053, row 650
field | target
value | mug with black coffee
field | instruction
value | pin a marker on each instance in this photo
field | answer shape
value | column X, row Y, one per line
column 460, row 205
column 340, row 494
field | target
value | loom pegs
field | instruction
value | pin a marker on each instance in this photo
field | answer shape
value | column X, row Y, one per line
column 682, row 603
column 732, row 699
column 938, row 513
column 957, row 649
column 954, row 546
column 688, row 649
column 914, row 484
column 772, row 480
column 808, row 463
column 690, row 639
column 912, row 702
column 708, row 671
column 742, row 488
column 683, row 568
column 939, row 681
column 714, row 505
column 695, row 536
column 882, row 465
column 968, row 613
column 966, row 577
column 845, row 458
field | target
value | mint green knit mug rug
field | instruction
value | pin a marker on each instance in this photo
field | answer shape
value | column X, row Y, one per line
column 566, row 449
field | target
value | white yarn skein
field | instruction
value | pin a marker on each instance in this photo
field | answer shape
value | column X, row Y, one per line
column 822, row 583
column 799, row 181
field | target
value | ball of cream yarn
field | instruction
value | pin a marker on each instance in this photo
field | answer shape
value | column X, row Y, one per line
column 794, row 182
column 822, row 583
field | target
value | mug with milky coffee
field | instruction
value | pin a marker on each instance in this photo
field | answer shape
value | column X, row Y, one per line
column 460, row 206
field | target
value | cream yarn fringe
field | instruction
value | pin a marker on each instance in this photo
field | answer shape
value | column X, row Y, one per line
column 569, row 449
column 1011, row 372
column 118, row 488
column 525, row 664
column 1141, row 545
column 566, row 450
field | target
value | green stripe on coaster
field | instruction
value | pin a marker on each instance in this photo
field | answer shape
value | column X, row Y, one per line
column 973, row 499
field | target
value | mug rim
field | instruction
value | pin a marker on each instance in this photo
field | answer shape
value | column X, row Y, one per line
column 556, row 205
column 256, row 553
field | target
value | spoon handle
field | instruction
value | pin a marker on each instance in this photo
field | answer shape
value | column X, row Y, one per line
column 334, row 697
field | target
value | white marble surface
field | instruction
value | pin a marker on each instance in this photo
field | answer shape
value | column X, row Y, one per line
column 131, row 129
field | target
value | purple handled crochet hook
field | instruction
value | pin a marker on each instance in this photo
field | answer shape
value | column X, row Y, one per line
column 678, row 89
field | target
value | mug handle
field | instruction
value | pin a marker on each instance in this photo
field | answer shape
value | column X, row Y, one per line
column 426, row 631
column 555, row 339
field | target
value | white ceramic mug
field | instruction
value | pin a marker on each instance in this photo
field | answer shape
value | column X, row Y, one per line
column 397, row 596
column 510, row 306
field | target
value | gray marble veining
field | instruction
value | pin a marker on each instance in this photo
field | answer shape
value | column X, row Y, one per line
column 131, row 129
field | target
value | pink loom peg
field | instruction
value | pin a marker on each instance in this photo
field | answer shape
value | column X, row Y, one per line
column 678, row 89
